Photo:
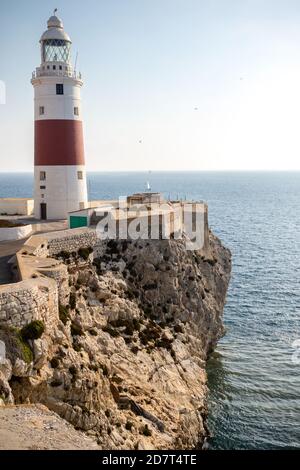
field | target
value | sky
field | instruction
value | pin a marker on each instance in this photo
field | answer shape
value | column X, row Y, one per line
column 168, row 84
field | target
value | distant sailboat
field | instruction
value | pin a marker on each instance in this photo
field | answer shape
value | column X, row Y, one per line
column 148, row 186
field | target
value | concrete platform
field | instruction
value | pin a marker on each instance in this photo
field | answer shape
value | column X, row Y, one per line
column 9, row 248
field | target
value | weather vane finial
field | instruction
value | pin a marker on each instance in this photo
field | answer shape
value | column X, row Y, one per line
column 55, row 10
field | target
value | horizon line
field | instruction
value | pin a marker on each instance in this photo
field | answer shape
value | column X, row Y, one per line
column 175, row 171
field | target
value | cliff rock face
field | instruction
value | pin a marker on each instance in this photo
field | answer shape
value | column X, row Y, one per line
column 125, row 361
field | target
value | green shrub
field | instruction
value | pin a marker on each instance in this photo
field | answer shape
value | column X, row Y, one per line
column 128, row 425
column 164, row 343
column 108, row 329
column 112, row 247
column 136, row 324
column 129, row 330
column 147, row 310
column 33, row 330
column 146, row 431
column 56, row 383
column 130, row 294
column 72, row 301
column 178, row 328
column 93, row 332
column 134, row 349
column 54, row 362
column 150, row 285
column 211, row 261
column 16, row 345
column 84, row 253
column 64, row 255
column 63, row 314
column 104, row 369
column 24, row 348
column 151, row 332
column 76, row 330
column 73, row 370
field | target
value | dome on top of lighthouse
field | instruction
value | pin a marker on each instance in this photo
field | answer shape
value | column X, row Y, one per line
column 55, row 29
column 55, row 22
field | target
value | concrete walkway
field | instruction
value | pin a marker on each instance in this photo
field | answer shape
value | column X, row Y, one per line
column 9, row 248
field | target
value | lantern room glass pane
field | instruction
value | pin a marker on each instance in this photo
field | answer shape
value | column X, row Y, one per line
column 56, row 50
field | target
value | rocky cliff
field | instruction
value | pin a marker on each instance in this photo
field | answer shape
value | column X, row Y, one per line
column 124, row 358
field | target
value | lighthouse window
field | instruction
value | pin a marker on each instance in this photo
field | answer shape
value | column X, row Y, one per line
column 42, row 175
column 54, row 67
column 60, row 67
column 59, row 89
column 76, row 111
column 56, row 50
column 42, row 110
column 80, row 175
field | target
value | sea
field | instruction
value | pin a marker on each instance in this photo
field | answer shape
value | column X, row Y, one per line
column 254, row 373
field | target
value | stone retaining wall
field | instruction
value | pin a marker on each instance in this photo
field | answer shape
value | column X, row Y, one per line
column 34, row 299
column 70, row 240
column 37, row 298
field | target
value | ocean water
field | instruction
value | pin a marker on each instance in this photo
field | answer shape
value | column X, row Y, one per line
column 254, row 384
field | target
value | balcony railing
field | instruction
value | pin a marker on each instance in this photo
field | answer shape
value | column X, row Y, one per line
column 56, row 73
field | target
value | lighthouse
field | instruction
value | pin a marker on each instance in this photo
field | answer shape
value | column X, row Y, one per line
column 59, row 164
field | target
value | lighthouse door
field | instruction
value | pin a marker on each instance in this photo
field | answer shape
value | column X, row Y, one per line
column 43, row 211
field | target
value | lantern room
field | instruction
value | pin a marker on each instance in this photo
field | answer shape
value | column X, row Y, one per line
column 55, row 42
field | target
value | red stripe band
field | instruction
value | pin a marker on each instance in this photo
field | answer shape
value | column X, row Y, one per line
column 58, row 142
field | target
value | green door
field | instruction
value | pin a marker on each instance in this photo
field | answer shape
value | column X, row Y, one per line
column 77, row 221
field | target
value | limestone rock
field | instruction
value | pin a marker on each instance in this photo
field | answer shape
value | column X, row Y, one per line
column 6, row 368
column 128, row 365
column 22, row 368
column 5, row 390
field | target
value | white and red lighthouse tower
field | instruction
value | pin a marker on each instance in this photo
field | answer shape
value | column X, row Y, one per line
column 59, row 166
